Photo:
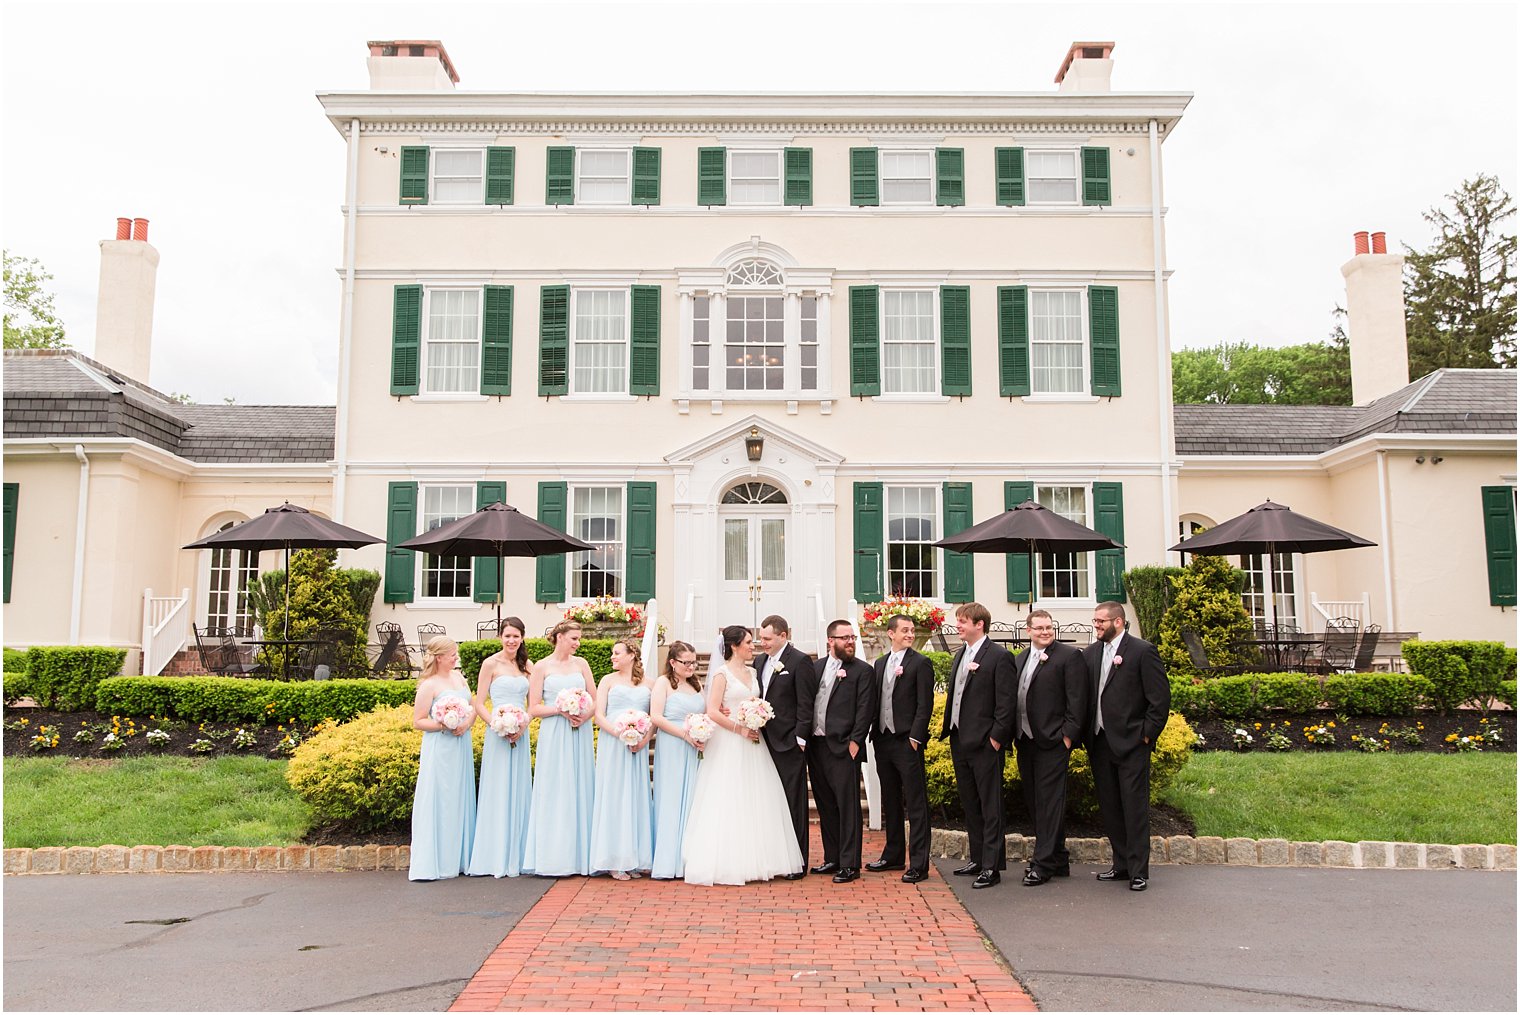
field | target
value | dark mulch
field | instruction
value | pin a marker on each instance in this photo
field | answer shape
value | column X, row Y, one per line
column 23, row 725
column 1430, row 729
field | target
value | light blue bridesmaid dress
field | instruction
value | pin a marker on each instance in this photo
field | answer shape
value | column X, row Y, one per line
column 443, row 811
column 675, row 775
column 501, row 819
column 559, row 822
column 621, row 834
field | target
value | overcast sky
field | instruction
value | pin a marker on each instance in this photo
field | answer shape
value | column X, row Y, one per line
column 1309, row 122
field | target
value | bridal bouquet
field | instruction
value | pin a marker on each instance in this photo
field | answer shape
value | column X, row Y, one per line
column 507, row 721
column 753, row 713
column 632, row 727
column 452, row 712
column 573, row 701
column 700, row 727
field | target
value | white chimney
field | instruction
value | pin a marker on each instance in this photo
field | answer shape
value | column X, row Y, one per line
column 1375, row 320
column 410, row 65
column 124, row 306
column 1087, row 67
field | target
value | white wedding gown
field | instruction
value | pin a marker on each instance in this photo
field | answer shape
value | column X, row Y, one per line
column 739, row 828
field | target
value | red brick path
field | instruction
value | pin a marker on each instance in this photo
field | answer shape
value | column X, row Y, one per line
column 874, row 945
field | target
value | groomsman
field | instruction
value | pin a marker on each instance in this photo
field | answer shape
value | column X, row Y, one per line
column 1051, row 707
column 979, row 723
column 905, row 692
column 840, row 700
column 1130, row 697
column 780, row 670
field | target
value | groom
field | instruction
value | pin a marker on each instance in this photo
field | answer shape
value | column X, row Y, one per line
column 840, row 701
column 780, row 671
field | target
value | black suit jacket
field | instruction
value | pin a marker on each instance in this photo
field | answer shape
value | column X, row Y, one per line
column 781, row 733
column 1056, row 702
column 852, row 706
column 1136, row 701
column 988, row 702
column 912, row 696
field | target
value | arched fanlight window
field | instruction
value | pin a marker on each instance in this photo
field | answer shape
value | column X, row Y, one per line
column 754, row 493
column 754, row 273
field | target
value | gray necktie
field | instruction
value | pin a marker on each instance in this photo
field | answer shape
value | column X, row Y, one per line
column 960, row 685
column 1024, row 681
column 1108, row 665
column 893, row 662
column 821, row 709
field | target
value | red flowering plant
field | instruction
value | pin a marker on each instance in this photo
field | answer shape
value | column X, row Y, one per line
column 926, row 616
column 609, row 610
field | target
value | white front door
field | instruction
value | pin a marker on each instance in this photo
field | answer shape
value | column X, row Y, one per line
column 755, row 568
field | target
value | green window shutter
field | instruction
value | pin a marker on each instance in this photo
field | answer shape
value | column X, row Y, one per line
column 554, row 340
column 646, row 176
column 869, row 537
column 1013, row 341
column 1103, row 338
column 865, row 340
column 1498, row 536
column 863, row 186
column 1095, row 184
column 641, row 532
column 559, row 185
column 414, row 175
column 644, row 340
column 712, row 176
column 501, row 164
column 487, row 587
column 496, row 342
column 1010, row 176
column 400, row 525
column 406, row 338
column 1108, row 518
column 552, row 501
column 12, row 494
column 798, row 188
column 959, row 584
column 950, row 176
column 1016, row 492
column 955, row 339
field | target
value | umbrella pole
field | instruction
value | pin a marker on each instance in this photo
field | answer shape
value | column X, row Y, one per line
column 501, row 592
column 1270, row 565
column 286, row 635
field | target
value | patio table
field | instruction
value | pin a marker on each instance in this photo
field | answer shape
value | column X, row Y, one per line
column 286, row 643
column 1281, row 653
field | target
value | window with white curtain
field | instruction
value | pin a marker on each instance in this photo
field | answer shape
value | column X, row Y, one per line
column 452, row 354
column 1057, row 347
column 907, row 177
column 1051, row 176
column 602, row 177
column 597, row 518
column 1066, row 575
column 599, row 358
column 754, row 177
column 446, row 577
column 458, row 176
column 233, row 572
column 909, row 343
column 912, row 520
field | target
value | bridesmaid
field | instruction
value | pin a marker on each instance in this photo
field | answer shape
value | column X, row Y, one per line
column 622, row 842
column 501, row 822
column 443, row 811
column 675, row 760
column 559, row 821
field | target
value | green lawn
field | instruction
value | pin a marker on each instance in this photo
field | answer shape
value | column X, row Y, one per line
column 1452, row 798
column 151, row 801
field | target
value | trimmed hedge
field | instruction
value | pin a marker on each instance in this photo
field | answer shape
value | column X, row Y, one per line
column 1463, row 672
column 1507, row 692
column 239, row 699
column 1242, row 696
column 1378, row 693
column 596, row 651
column 65, row 678
column 17, row 686
column 15, row 660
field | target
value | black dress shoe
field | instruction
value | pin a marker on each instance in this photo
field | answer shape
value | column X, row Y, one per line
column 986, row 879
column 1113, row 874
column 827, row 867
column 913, row 877
column 795, row 875
column 1137, row 884
column 1034, row 877
column 969, row 870
column 846, row 875
column 882, row 865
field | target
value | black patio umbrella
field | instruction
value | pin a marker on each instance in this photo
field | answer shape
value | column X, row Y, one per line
column 1028, row 528
column 1271, row 529
column 285, row 527
column 496, row 530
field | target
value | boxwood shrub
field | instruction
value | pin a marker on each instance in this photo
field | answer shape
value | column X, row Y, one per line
column 596, row 651
column 18, row 685
column 1507, row 692
column 1463, row 672
column 15, row 660
column 66, row 677
column 1231, row 697
column 1294, row 693
column 1378, row 693
column 242, row 700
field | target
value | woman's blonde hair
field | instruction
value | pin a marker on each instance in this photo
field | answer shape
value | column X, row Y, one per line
column 562, row 627
column 637, row 652
column 434, row 651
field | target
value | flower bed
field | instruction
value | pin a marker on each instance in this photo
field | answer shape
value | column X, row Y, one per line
column 45, row 733
column 1324, row 730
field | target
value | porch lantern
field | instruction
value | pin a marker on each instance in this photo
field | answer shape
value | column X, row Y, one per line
column 754, row 444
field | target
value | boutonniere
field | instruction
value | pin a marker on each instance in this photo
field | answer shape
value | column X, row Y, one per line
column 778, row 671
column 897, row 672
column 973, row 667
column 1039, row 654
column 1118, row 660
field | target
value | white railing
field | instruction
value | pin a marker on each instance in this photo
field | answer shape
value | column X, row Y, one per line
column 1359, row 610
column 165, row 630
column 873, row 781
column 819, row 620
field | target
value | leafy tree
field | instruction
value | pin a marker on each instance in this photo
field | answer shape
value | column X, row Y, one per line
column 30, row 321
column 1206, row 598
column 322, row 597
column 1459, row 296
column 1239, row 373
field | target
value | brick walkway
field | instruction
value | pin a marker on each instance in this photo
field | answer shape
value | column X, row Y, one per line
column 875, row 945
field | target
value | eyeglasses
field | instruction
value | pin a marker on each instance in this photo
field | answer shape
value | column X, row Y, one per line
column 685, row 662
column 842, row 637
column 1104, row 621
column 1046, row 629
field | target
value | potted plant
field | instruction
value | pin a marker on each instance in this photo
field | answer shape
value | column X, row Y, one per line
column 607, row 617
column 927, row 619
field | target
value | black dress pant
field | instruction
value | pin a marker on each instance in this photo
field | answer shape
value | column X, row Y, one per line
column 979, row 780
column 904, row 794
column 1042, row 770
column 1123, row 783
column 836, row 791
column 791, row 766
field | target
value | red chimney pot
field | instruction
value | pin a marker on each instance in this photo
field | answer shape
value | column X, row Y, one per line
column 1380, row 243
column 1361, row 242
column 123, row 229
column 140, row 230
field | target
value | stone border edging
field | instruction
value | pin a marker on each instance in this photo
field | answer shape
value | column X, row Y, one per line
column 203, row 859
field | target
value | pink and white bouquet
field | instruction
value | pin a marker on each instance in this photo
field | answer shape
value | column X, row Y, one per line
column 452, row 712
column 700, row 727
column 507, row 721
column 632, row 727
column 574, row 701
column 753, row 713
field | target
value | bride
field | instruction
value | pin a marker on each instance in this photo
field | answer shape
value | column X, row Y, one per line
column 740, row 827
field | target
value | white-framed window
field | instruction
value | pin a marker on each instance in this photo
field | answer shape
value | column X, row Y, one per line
column 1284, row 587
column 749, row 340
column 451, row 353
column 599, row 341
column 909, row 342
column 912, row 522
column 755, row 347
column 754, row 177
column 1051, row 177
column 907, row 177
column 458, row 175
column 701, row 341
column 1057, row 342
column 1066, row 575
column 808, row 344
column 603, row 176
column 232, row 573
column 445, row 577
column 597, row 517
